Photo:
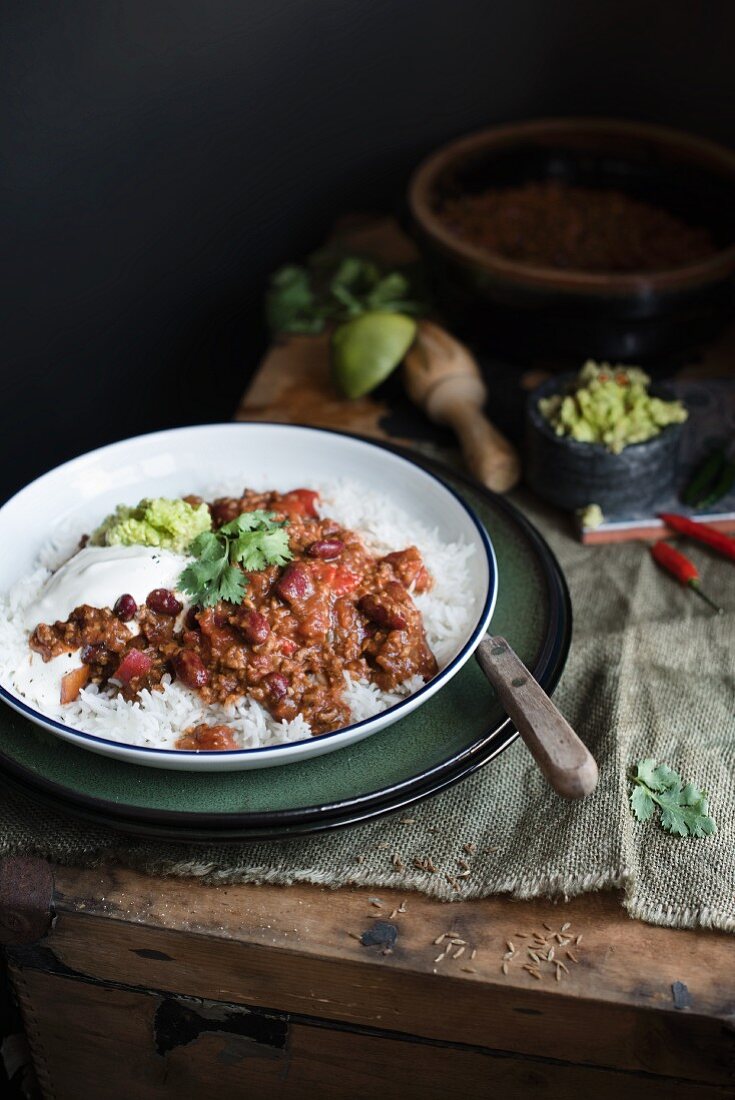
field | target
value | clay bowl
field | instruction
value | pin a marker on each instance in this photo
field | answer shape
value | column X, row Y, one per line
column 626, row 316
column 571, row 475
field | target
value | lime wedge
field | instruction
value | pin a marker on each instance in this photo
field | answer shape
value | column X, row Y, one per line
column 367, row 348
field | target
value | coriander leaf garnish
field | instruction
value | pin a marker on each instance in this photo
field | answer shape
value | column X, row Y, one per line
column 684, row 808
column 251, row 541
column 336, row 287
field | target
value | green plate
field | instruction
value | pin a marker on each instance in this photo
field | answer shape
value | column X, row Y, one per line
column 455, row 732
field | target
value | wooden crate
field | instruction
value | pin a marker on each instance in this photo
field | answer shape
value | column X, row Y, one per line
column 135, row 986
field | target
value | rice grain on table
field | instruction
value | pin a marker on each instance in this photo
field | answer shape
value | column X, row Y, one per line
column 157, row 719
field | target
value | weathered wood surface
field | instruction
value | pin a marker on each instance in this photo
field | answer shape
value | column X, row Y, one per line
column 294, row 949
column 149, row 1045
column 133, row 964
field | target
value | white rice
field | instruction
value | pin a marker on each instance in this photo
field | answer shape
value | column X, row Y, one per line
column 158, row 718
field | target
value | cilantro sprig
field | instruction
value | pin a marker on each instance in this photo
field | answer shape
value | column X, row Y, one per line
column 336, row 287
column 252, row 540
column 684, row 808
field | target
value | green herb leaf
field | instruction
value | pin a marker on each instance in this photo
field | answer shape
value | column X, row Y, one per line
column 684, row 809
column 337, row 287
column 642, row 803
column 248, row 543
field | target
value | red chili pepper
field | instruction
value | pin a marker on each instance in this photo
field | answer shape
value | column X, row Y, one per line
column 679, row 566
column 702, row 532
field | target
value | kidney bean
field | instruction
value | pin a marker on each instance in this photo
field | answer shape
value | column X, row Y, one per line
column 294, row 583
column 192, row 622
column 255, row 627
column 163, row 601
column 125, row 607
column 190, row 669
column 380, row 614
column 326, row 549
column 277, row 686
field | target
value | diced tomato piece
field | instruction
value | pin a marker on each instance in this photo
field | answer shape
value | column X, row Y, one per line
column 134, row 663
column 72, row 683
column 337, row 577
column 288, row 646
column 299, row 502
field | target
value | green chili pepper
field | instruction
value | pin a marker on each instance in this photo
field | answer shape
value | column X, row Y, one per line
column 723, row 485
column 704, row 478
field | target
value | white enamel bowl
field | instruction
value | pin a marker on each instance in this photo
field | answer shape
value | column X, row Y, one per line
column 278, row 456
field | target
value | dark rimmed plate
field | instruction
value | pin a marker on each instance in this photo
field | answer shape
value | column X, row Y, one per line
column 451, row 736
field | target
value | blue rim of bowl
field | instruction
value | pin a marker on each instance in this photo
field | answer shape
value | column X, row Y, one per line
column 435, row 684
column 186, row 826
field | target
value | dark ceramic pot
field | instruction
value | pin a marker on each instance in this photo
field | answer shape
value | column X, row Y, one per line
column 527, row 309
column 572, row 475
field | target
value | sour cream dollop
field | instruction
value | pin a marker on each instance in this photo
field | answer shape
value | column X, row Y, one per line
column 96, row 575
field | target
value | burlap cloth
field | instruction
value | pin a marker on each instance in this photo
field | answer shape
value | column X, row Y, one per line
column 650, row 673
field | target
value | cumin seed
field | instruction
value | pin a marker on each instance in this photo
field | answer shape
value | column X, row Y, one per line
column 439, row 958
column 550, row 955
column 558, row 973
column 459, row 952
column 474, row 952
column 509, row 955
column 547, row 926
column 439, row 938
column 504, row 968
column 572, row 956
column 563, row 967
column 509, row 945
column 469, row 848
column 534, row 956
column 567, row 925
column 468, row 969
column 578, row 940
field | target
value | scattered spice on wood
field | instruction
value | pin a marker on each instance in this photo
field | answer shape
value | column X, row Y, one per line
column 565, row 927
column 572, row 956
column 376, row 902
column 459, row 952
column 468, row 969
column 473, row 953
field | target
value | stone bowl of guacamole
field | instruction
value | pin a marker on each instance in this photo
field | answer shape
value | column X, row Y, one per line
column 604, row 436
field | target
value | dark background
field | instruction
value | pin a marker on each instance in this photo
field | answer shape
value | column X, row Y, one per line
column 162, row 156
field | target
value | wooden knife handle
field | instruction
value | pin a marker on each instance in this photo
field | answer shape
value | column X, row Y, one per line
column 565, row 761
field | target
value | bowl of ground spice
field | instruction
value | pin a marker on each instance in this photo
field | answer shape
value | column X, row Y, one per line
column 582, row 236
